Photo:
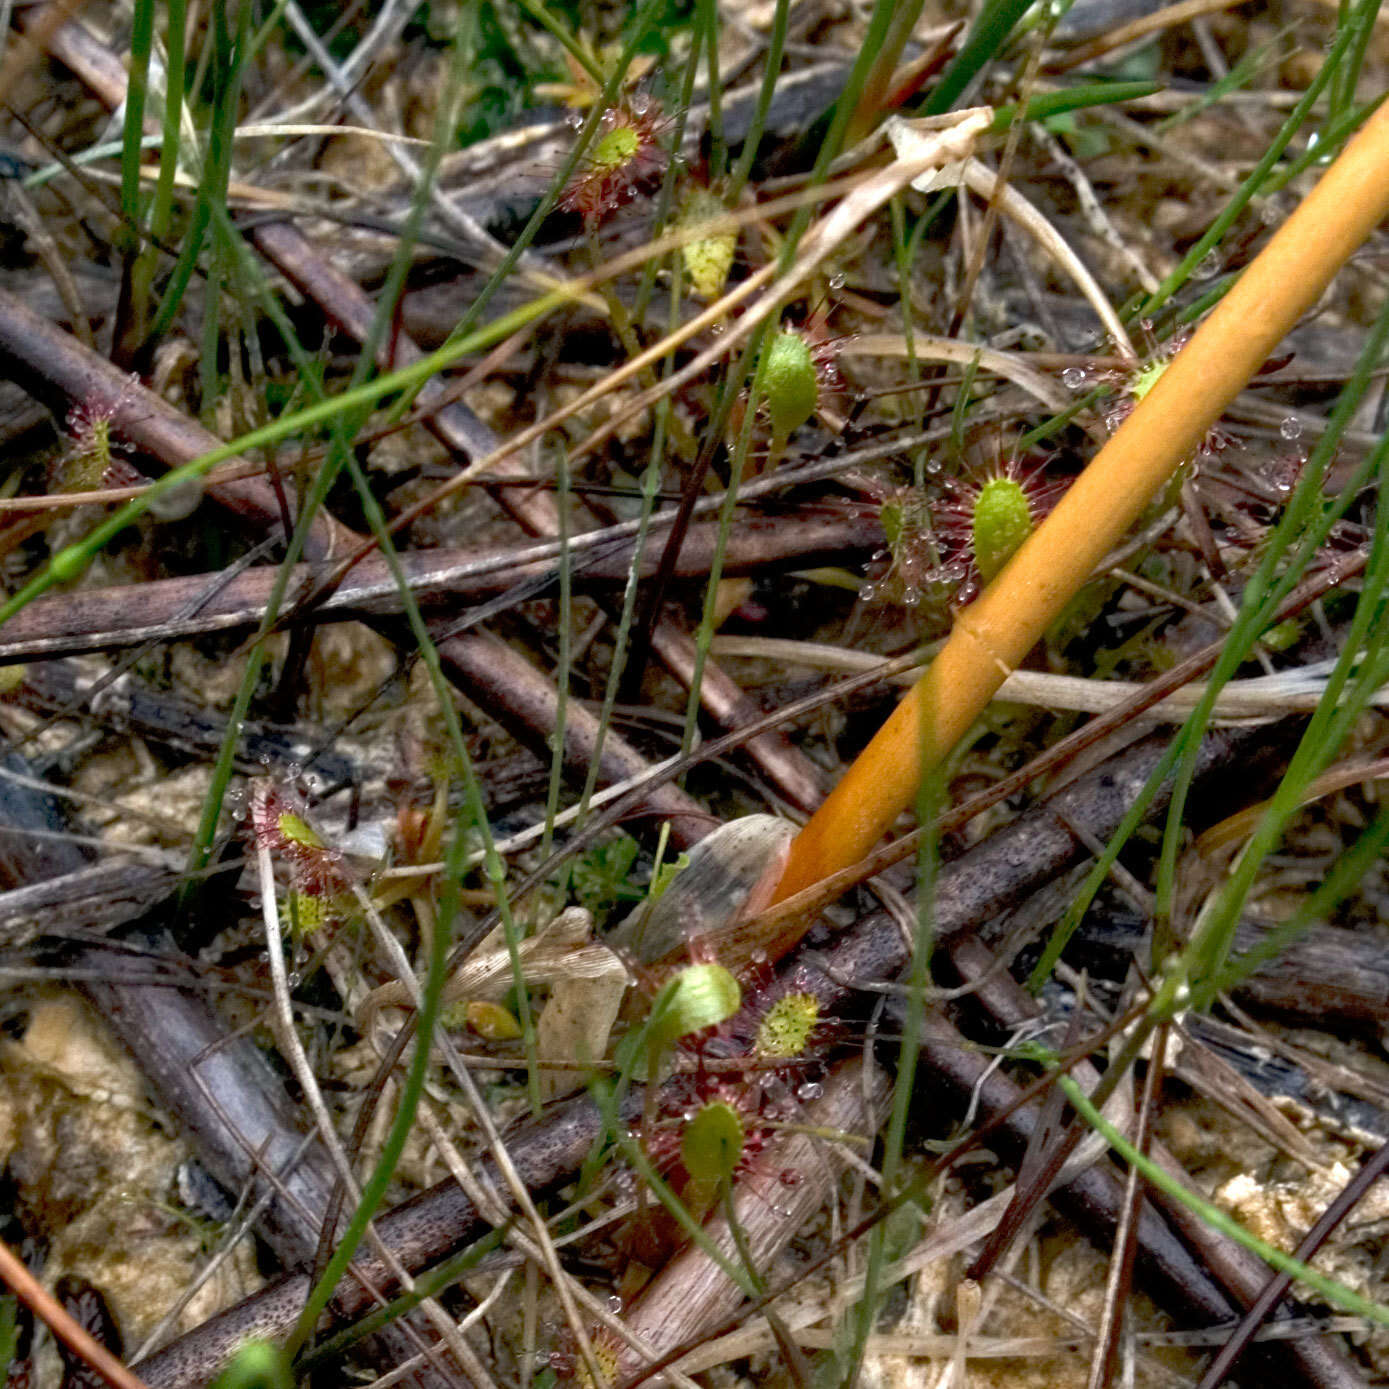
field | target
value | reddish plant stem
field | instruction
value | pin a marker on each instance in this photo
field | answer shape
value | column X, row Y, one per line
column 993, row 635
column 61, row 1323
column 777, row 930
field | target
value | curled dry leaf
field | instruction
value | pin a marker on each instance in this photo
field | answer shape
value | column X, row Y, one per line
column 578, row 1017
column 563, row 950
column 729, row 875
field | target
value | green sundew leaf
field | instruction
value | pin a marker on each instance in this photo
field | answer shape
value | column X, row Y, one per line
column 305, row 914
column 299, row 831
column 1147, row 376
column 892, row 517
column 790, row 386
column 698, row 997
column 786, row 1028
column 1002, row 521
column 616, row 148
column 709, row 258
column 712, row 1143
column 605, row 1098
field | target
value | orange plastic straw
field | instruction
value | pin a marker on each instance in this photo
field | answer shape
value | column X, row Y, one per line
column 995, row 633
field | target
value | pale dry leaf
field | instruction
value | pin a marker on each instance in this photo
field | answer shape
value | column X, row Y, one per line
column 575, row 1025
column 562, row 950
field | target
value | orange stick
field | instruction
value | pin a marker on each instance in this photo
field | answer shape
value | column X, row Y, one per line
column 995, row 633
column 77, row 1338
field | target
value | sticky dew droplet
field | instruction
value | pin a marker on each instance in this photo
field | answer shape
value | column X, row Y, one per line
column 1208, row 267
column 179, row 502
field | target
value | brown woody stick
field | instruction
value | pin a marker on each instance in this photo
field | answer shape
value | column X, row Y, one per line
column 177, row 609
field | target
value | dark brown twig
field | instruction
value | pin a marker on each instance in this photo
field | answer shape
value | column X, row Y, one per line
column 105, row 619
column 1109, row 1334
